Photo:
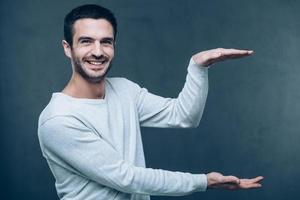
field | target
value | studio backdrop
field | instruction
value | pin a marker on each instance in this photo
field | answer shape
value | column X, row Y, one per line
column 251, row 122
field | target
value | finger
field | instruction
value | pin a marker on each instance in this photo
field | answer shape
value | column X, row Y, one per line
column 256, row 185
column 236, row 56
column 257, row 179
column 250, row 183
column 249, row 186
column 232, row 186
column 253, row 180
column 235, row 51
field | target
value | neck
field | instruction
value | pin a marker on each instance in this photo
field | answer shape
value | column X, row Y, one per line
column 81, row 88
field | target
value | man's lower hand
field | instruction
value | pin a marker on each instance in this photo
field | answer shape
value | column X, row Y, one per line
column 217, row 180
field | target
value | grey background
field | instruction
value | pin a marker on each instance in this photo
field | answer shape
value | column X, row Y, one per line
column 251, row 120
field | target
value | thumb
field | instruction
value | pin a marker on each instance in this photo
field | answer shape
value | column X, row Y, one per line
column 231, row 179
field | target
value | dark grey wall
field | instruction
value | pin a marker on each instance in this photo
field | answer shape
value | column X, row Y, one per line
column 251, row 121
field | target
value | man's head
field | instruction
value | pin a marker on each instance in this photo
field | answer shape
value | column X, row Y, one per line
column 90, row 32
column 83, row 12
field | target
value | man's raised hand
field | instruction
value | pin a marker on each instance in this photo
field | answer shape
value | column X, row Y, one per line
column 206, row 58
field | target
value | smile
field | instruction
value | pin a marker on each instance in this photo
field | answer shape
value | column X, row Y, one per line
column 96, row 63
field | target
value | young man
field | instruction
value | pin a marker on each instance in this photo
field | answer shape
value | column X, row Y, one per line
column 90, row 132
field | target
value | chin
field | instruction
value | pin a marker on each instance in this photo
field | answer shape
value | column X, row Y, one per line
column 97, row 76
column 93, row 74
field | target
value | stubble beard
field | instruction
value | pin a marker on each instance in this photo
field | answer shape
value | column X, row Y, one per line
column 85, row 74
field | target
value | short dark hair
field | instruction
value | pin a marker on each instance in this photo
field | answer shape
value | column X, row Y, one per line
column 87, row 11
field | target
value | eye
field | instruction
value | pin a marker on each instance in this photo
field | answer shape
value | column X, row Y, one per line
column 85, row 41
column 107, row 42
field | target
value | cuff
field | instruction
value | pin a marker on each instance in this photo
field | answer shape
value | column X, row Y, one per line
column 196, row 69
column 192, row 62
column 201, row 181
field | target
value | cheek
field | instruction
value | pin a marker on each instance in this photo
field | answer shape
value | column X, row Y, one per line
column 109, row 51
column 112, row 55
column 81, row 53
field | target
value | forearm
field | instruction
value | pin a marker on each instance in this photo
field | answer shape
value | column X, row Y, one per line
column 191, row 100
column 185, row 110
column 71, row 145
column 139, row 180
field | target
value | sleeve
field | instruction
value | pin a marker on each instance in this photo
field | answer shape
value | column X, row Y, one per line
column 69, row 143
column 184, row 111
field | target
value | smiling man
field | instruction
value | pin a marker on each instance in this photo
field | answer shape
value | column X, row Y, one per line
column 90, row 131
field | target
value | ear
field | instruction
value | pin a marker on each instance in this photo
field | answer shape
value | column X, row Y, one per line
column 67, row 48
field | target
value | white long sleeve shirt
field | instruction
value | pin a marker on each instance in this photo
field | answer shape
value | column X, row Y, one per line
column 94, row 148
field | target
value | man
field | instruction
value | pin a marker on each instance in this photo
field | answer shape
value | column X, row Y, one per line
column 90, row 132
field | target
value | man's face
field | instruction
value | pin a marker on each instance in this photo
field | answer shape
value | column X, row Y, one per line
column 93, row 48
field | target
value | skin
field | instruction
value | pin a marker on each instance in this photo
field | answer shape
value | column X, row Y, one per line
column 93, row 43
column 209, row 57
column 217, row 180
column 91, row 55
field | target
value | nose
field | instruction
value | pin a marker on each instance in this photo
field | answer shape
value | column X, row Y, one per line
column 97, row 49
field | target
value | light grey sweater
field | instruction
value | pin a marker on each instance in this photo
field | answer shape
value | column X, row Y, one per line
column 94, row 147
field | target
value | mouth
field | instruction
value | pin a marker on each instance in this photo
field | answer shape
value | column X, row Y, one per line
column 96, row 64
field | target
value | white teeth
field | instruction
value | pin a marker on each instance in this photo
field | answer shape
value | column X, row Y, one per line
column 96, row 63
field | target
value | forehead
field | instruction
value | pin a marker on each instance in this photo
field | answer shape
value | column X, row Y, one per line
column 96, row 28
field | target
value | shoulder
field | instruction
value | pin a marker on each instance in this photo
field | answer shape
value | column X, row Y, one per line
column 56, row 126
column 57, row 107
column 120, row 81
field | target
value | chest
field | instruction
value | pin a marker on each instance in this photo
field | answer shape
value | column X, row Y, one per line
column 115, row 121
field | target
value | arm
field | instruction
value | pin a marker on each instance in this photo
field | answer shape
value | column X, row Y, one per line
column 185, row 110
column 70, row 144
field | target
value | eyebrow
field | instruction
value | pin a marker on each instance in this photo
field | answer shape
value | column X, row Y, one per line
column 108, row 38
column 85, row 38
column 89, row 38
